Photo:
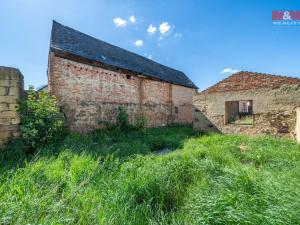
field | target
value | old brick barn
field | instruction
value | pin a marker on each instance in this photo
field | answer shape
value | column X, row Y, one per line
column 91, row 78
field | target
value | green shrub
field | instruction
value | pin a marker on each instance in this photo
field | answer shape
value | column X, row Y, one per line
column 122, row 118
column 122, row 122
column 40, row 120
column 108, row 125
column 141, row 122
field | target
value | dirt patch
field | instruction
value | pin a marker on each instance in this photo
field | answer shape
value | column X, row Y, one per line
column 244, row 148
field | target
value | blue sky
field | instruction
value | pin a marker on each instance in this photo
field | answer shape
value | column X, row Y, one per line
column 205, row 37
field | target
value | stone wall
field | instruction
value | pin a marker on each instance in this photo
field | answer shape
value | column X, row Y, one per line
column 88, row 94
column 274, row 111
column 11, row 89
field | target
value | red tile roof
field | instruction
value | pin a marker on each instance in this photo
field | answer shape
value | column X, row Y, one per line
column 245, row 80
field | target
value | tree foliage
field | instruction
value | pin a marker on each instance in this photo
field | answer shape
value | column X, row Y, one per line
column 122, row 118
column 40, row 119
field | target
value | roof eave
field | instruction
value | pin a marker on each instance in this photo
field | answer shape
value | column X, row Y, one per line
column 55, row 50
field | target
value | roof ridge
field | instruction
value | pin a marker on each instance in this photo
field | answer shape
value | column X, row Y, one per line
column 115, row 46
column 75, row 42
column 268, row 74
column 243, row 72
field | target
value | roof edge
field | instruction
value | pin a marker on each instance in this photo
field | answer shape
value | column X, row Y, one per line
column 55, row 50
column 245, row 71
column 52, row 46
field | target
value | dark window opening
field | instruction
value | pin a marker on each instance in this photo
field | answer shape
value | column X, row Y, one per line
column 6, row 91
column 128, row 76
column 176, row 110
column 239, row 112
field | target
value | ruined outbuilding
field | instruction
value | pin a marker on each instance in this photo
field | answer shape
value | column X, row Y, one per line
column 91, row 78
column 249, row 103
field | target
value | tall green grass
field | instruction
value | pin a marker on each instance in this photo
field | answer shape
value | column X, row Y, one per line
column 117, row 178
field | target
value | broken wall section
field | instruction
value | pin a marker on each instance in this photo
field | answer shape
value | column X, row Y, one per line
column 274, row 111
column 11, row 90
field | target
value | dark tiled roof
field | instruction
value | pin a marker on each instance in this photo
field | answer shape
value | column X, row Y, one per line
column 77, row 43
column 245, row 80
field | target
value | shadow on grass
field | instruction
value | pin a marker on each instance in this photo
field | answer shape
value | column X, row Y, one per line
column 122, row 144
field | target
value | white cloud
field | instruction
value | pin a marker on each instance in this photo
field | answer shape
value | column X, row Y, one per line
column 119, row 22
column 178, row 35
column 132, row 19
column 149, row 56
column 229, row 70
column 138, row 43
column 164, row 28
column 151, row 29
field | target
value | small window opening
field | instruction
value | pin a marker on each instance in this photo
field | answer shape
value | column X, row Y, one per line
column 6, row 90
column 176, row 110
column 239, row 112
column 128, row 76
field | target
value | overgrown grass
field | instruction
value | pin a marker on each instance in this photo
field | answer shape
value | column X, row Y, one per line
column 116, row 178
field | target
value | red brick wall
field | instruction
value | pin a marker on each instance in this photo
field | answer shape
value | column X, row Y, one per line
column 88, row 94
column 157, row 102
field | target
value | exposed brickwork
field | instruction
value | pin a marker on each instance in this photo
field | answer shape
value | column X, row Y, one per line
column 88, row 94
column 11, row 88
column 244, row 80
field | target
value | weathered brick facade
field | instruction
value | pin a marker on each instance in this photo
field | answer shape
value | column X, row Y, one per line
column 274, row 98
column 88, row 94
column 11, row 89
